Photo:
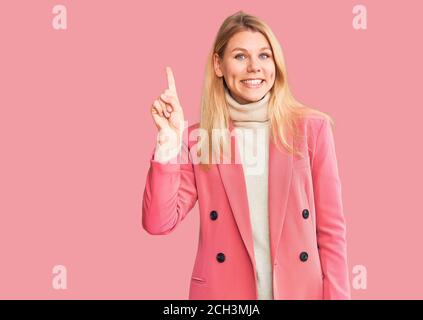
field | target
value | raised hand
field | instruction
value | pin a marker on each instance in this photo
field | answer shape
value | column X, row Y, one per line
column 166, row 110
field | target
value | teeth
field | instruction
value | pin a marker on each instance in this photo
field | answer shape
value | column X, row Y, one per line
column 252, row 81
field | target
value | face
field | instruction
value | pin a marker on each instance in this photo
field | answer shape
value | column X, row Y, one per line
column 247, row 56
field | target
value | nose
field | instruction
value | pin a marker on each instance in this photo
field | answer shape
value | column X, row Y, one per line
column 254, row 66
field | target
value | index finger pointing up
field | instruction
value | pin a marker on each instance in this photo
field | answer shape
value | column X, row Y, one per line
column 170, row 79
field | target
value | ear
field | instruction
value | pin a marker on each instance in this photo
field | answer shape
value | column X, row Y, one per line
column 217, row 65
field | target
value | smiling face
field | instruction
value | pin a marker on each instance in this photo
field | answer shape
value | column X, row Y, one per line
column 247, row 56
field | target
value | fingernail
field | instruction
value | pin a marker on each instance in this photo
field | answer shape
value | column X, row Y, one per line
column 169, row 108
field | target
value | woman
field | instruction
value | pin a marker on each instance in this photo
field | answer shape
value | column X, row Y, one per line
column 274, row 230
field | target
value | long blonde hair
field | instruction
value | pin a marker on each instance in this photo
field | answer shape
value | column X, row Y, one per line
column 283, row 109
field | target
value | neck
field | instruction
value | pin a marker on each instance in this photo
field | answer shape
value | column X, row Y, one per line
column 249, row 115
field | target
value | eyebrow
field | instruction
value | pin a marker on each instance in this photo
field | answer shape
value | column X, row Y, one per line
column 242, row 49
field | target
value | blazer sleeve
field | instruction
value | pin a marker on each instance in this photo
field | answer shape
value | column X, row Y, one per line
column 170, row 193
column 330, row 220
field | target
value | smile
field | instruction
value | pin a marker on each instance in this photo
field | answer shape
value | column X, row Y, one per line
column 252, row 83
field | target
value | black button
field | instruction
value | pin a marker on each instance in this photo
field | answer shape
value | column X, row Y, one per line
column 220, row 257
column 213, row 215
column 306, row 214
column 304, row 256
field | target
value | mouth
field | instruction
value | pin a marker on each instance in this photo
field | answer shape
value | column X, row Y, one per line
column 252, row 83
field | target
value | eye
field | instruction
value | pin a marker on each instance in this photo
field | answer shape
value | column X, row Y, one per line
column 242, row 55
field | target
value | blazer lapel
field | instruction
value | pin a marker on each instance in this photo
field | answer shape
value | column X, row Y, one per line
column 232, row 176
column 280, row 175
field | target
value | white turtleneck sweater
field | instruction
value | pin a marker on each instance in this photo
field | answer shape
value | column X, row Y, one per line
column 252, row 133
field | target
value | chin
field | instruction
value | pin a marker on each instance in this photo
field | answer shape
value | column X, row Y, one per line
column 253, row 96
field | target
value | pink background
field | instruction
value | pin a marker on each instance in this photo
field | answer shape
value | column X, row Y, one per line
column 76, row 136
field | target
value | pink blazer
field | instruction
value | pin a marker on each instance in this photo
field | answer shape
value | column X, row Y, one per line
column 306, row 221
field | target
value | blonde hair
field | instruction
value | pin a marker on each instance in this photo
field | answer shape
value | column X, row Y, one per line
column 283, row 109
